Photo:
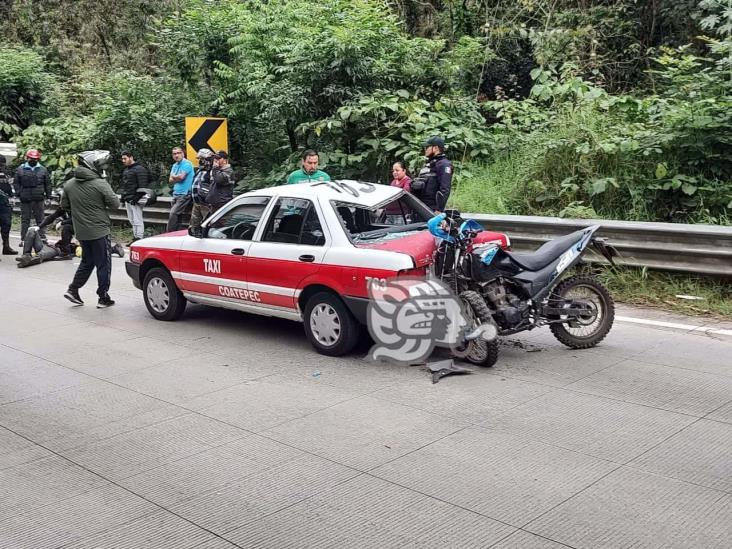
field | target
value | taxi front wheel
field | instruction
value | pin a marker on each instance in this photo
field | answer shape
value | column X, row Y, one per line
column 163, row 299
column 329, row 325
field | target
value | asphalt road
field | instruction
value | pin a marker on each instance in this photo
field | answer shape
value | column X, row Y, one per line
column 226, row 430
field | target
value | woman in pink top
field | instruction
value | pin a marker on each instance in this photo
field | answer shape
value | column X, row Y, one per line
column 394, row 213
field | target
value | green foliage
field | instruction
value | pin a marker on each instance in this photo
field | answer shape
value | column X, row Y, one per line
column 576, row 108
column 86, row 34
column 365, row 136
column 125, row 111
column 26, row 89
column 585, row 153
column 295, row 62
column 143, row 114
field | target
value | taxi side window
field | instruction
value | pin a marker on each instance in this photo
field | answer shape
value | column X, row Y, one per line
column 294, row 221
column 240, row 222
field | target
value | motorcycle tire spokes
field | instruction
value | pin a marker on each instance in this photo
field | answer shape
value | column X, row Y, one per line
column 478, row 351
column 584, row 330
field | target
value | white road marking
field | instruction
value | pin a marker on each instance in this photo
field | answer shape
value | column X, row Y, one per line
column 675, row 325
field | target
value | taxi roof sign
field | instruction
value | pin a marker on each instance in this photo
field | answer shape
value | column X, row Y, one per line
column 205, row 132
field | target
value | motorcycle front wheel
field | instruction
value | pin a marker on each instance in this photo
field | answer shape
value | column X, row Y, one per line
column 479, row 351
column 587, row 330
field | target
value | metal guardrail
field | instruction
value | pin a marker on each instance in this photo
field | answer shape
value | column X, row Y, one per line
column 699, row 249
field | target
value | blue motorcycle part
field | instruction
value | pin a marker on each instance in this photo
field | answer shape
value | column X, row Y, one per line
column 470, row 225
column 436, row 230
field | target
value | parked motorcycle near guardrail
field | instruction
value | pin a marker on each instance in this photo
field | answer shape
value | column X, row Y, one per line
column 522, row 291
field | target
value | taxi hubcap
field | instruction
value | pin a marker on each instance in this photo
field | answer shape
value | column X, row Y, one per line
column 158, row 295
column 325, row 324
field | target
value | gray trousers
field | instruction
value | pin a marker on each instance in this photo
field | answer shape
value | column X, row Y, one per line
column 26, row 209
column 134, row 214
column 177, row 209
column 34, row 242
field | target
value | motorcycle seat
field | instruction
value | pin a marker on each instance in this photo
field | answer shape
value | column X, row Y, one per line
column 547, row 253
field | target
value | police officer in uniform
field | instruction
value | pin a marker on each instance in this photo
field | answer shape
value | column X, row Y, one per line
column 434, row 182
column 6, row 207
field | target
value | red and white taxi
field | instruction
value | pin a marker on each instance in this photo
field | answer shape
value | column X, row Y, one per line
column 304, row 252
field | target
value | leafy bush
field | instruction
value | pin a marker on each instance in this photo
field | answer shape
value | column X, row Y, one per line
column 365, row 136
column 59, row 140
column 26, row 89
column 577, row 150
column 143, row 114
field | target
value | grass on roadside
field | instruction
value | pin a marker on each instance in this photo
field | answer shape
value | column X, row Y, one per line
column 641, row 286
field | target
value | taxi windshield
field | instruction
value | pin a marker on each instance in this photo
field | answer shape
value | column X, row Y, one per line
column 395, row 218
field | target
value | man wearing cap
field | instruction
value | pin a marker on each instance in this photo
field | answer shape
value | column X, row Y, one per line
column 222, row 189
column 437, row 177
column 33, row 185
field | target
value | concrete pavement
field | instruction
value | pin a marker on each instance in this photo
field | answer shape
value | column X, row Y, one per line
column 226, row 430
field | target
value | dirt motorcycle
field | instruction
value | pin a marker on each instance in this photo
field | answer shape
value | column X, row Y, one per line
column 517, row 292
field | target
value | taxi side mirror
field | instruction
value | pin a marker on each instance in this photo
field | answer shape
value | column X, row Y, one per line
column 198, row 232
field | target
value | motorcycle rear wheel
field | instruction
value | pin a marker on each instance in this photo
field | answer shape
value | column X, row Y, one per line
column 587, row 331
column 479, row 351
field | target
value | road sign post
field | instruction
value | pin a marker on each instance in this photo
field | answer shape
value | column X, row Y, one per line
column 205, row 132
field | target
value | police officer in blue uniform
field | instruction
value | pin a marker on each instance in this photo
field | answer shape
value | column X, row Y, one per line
column 6, row 206
column 436, row 176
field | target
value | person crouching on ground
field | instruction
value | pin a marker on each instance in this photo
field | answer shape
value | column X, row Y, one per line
column 65, row 248
column 89, row 197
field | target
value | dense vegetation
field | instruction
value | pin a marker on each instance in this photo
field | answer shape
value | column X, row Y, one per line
column 612, row 108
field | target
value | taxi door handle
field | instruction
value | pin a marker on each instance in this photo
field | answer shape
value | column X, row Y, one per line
column 238, row 251
column 307, row 258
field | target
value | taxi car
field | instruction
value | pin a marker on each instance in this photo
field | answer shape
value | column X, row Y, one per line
column 304, row 252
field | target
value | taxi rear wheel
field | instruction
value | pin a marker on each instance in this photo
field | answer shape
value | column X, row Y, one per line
column 163, row 299
column 329, row 325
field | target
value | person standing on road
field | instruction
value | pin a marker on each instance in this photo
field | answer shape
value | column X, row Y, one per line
column 33, row 185
column 135, row 176
column 181, row 177
column 6, row 207
column 434, row 182
column 309, row 170
column 201, row 190
column 222, row 189
column 89, row 197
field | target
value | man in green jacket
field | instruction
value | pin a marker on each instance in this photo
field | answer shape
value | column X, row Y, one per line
column 88, row 196
column 309, row 171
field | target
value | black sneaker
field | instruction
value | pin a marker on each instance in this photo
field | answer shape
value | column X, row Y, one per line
column 104, row 302
column 73, row 296
column 118, row 249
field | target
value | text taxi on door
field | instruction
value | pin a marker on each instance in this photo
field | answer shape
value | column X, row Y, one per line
column 303, row 252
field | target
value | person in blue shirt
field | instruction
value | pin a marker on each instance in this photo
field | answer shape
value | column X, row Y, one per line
column 181, row 177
